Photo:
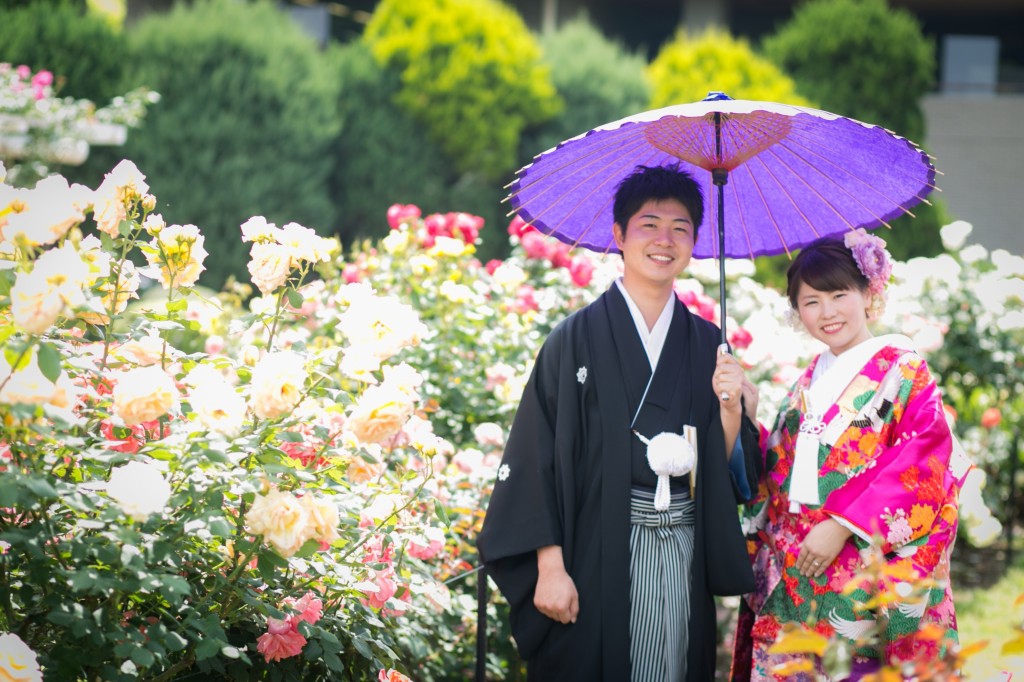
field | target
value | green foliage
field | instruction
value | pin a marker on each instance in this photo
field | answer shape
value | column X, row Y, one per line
column 687, row 68
column 598, row 79
column 385, row 158
column 86, row 55
column 471, row 73
column 246, row 125
column 858, row 58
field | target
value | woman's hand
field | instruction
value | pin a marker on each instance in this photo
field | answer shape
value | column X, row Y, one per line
column 555, row 595
column 730, row 384
column 821, row 547
column 727, row 381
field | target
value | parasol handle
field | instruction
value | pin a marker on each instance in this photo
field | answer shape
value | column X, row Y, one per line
column 720, row 176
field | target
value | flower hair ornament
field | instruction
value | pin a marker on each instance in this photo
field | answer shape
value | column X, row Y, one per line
column 875, row 264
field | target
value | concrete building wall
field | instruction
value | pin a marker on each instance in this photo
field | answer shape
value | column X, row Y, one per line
column 978, row 144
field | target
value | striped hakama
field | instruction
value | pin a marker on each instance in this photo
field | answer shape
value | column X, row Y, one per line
column 661, row 552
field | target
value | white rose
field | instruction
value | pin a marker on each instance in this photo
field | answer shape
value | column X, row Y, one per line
column 277, row 382
column 269, row 266
column 139, row 489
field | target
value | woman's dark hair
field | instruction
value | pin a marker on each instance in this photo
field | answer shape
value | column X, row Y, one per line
column 825, row 264
column 658, row 183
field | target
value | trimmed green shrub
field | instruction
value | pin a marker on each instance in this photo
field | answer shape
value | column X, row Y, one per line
column 597, row 78
column 863, row 59
column 471, row 72
column 86, row 56
column 246, row 124
column 688, row 67
column 384, row 159
column 858, row 58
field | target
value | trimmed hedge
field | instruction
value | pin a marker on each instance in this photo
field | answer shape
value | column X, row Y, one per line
column 246, row 125
column 85, row 54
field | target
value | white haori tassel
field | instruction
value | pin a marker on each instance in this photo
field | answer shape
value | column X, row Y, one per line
column 668, row 454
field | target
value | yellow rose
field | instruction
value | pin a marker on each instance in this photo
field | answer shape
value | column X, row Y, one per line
column 380, row 414
column 143, row 394
column 281, row 519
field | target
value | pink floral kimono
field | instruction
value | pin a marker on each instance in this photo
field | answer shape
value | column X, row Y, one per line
column 879, row 458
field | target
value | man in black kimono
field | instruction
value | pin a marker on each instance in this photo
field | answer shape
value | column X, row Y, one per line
column 575, row 485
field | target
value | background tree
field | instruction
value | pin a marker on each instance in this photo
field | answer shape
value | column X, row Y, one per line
column 471, row 73
column 384, row 159
column 246, row 125
column 688, row 67
column 598, row 79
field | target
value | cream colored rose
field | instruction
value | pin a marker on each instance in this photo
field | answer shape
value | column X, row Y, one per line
column 145, row 351
column 52, row 208
column 281, row 519
column 144, row 394
column 276, row 386
column 139, row 489
column 17, row 661
column 257, row 229
column 380, row 414
column 35, row 305
column 303, row 243
column 323, row 518
column 217, row 405
column 177, row 253
column 269, row 266
column 121, row 186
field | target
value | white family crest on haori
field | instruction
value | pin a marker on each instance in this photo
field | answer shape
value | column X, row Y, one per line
column 581, row 374
column 503, row 472
column 668, row 454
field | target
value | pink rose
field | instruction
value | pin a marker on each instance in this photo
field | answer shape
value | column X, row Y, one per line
column 582, row 271
column 282, row 640
column 402, row 213
column 467, row 226
column 309, row 608
column 525, row 300
column 518, row 227
column 391, row 675
column 386, row 588
column 492, row 265
column 535, row 245
column 740, row 338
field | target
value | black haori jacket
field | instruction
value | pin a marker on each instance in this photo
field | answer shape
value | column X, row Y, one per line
column 565, row 479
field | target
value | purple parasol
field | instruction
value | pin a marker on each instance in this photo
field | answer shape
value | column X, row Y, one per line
column 785, row 176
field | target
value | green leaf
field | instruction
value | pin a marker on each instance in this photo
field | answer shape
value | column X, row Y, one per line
column 142, row 657
column 177, row 306
column 40, row 487
column 294, row 297
column 48, row 359
column 208, row 648
column 441, row 512
column 174, row 588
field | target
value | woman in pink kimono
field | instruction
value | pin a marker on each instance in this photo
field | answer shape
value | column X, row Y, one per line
column 860, row 448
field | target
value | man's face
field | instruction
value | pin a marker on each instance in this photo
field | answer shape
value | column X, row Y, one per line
column 657, row 244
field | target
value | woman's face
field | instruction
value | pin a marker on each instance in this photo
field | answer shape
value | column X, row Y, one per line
column 839, row 319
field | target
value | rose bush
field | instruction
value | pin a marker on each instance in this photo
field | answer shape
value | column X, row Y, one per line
column 165, row 512
column 289, row 485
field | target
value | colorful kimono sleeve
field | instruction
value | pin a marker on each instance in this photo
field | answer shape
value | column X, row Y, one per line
column 901, row 495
